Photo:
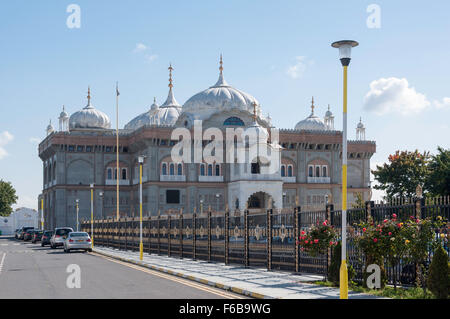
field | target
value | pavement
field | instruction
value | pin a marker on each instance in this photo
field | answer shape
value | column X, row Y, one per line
column 29, row 271
column 251, row 282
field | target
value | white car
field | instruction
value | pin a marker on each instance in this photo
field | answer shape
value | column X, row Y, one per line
column 78, row 241
column 59, row 236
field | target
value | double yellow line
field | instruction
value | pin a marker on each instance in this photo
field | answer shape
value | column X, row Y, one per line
column 186, row 282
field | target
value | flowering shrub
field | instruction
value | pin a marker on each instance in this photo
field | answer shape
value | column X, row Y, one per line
column 318, row 239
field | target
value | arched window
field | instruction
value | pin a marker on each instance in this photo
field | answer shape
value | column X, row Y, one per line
column 109, row 173
column 310, row 171
column 290, row 170
column 217, row 170
column 324, row 171
column 124, row 173
column 210, row 169
column 234, row 121
column 164, row 169
column 256, row 168
column 317, row 171
column 172, row 169
column 115, row 173
column 283, row 170
column 202, row 169
column 180, row 169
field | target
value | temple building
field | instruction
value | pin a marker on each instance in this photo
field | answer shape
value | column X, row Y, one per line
column 83, row 152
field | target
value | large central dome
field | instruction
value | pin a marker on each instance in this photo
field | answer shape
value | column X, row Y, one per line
column 220, row 97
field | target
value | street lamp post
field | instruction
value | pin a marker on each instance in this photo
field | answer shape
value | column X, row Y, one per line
column 101, row 198
column 345, row 48
column 92, row 215
column 217, row 196
column 77, row 202
column 141, row 245
column 201, row 207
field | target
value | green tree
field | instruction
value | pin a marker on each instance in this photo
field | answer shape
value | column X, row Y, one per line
column 438, row 278
column 7, row 198
column 359, row 202
column 438, row 181
column 400, row 177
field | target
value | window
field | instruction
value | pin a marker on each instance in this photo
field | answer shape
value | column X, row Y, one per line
column 217, row 170
column 310, row 171
column 234, row 121
column 172, row 169
column 180, row 169
column 209, row 169
column 283, row 170
column 88, row 148
column 124, row 173
column 290, row 170
column 115, row 173
column 324, row 171
column 172, row 196
column 317, row 171
column 71, row 148
column 109, row 173
column 164, row 169
column 202, row 169
column 256, row 168
column 80, row 148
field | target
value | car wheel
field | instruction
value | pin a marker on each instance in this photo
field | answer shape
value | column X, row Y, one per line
column 90, row 250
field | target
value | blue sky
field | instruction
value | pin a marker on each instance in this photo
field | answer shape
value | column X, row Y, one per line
column 278, row 51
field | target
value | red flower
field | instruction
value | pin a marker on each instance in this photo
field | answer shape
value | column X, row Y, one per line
column 385, row 221
column 316, row 241
column 390, row 233
column 375, row 240
column 303, row 233
column 394, row 216
column 364, row 229
column 306, row 241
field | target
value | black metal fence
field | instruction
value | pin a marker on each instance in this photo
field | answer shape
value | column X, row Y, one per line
column 265, row 238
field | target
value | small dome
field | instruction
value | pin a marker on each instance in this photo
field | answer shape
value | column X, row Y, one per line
column 312, row 122
column 89, row 117
column 154, row 105
column 328, row 113
column 256, row 132
column 64, row 114
column 360, row 124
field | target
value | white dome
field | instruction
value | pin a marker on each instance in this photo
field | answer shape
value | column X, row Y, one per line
column 312, row 122
column 360, row 124
column 89, row 117
column 64, row 114
column 328, row 113
column 220, row 97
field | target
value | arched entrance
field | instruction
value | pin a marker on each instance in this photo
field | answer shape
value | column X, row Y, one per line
column 258, row 200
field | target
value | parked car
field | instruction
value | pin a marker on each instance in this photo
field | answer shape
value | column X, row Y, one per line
column 59, row 236
column 78, row 241
column 46, row 237
column 27, row 234
column 22, row 232
column 37, row 235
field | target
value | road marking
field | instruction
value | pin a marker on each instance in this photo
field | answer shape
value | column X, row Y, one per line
column 1, row 262
column 172, row 278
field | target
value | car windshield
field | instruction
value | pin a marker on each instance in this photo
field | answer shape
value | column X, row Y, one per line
column 48, row 233
column 62, row 232
column 79, row 235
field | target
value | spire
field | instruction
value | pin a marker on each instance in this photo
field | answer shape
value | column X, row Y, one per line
column 221, row 81
column 171, row 101
column 89, row 96
column 312, row 106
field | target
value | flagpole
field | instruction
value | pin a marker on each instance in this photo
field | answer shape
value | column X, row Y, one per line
column 117, row 149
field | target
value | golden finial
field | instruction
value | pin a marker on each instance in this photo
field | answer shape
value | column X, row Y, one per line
column 312, row 105
column 89, row 95
column 221, row 64
column 170, row 76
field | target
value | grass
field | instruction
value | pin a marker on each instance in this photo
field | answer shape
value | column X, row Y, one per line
column 388, row 291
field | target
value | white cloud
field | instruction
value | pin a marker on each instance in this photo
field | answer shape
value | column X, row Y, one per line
column 35, row 140
column 295, row 71
column 151, row 57
column 394, row 95
column 5, row 138
column 445, row 103
column 140, row 47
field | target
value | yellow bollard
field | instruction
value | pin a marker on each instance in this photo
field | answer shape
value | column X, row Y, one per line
column 344, row 280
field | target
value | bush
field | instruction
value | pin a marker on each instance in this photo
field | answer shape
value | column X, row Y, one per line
column 439, row 274
column 335, row 267
column 318, row 239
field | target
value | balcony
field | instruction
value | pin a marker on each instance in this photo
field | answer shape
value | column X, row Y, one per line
column 172, row 178
column 289, row 179
column 319, row 180
column 122, row 182
column 210, row 178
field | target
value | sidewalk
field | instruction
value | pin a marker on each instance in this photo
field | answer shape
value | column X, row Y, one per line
column 252, row 282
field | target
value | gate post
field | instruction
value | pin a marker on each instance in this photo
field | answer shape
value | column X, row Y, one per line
column 181, row 233
column 159, row 232
column 194, row 235
column 246, row 248
column 297, row 233
column 269, row 236
column 227, row 233
column 169, row 232
column 209, row 234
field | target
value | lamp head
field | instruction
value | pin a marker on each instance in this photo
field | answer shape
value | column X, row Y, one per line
column 92, row 185
column 345, row 50
column 141, row 159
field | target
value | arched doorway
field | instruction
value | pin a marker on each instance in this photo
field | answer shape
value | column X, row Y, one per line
column 258, row 200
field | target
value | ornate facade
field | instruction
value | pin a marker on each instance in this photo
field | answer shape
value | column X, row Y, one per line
column 83, row 152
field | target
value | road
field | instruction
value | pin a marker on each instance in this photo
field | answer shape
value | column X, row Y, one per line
column 29, row 271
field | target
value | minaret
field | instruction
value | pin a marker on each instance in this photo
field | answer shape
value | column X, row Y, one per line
column 171, row 101
column 329, row 119
column 221, row 81
column 63, row 121
column 360, row 131
column 50, row 128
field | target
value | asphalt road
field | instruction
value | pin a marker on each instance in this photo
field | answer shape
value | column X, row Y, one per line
column 29, row 271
